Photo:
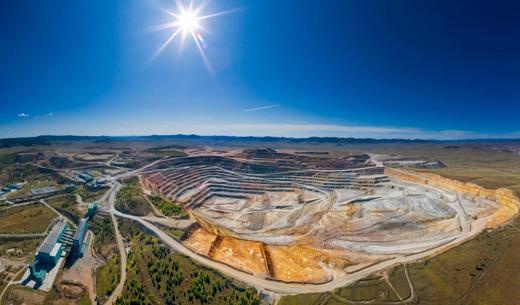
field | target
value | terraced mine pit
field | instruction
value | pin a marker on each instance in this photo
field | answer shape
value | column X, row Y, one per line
column 314, row 219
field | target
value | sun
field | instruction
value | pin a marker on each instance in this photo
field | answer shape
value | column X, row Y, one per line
column 188, row 22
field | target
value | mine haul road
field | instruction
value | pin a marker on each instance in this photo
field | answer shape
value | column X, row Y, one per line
column 294, row 288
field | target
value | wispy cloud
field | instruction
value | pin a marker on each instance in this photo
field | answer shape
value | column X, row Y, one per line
column 23, row 115
column 51, row 114
column 261, row 108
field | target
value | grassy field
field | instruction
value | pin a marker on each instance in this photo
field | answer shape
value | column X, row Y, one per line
column 375, row 289
column 131, row 199
column 67, row 205
column 104, row 239
column 173, row 232
column 20, row 295
column 61, row 294
column 166, row 207
column 107, row 276
column 33, row 218
column 23, row 248
column 158, row 276
column 89, row 194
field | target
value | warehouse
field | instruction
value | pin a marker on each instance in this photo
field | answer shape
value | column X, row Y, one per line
column 51, row 248
column 78, row 245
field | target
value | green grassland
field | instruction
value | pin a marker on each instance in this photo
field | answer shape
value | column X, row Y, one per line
column 104, row 234
column 173, row 232
column 159, row 276
column 108, row 275
column 107, row 278
column 166, row 207
column 131, row 199
column 34, row 218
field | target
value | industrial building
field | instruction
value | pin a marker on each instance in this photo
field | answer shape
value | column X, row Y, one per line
column 43, row 190
column 50, row 250
column 48, row 253
column 92, row 208
column 59, row 243
column 38, row 272
column 78, row 242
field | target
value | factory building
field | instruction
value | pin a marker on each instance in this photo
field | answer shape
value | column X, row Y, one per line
column 38, row 273
column 48, row 253
column 50, row 250
column 91, row 212
column 78, row 242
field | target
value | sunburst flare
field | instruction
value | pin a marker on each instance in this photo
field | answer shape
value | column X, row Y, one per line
column 188, row 22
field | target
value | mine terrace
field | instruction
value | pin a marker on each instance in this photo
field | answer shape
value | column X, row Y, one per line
column 317, row 219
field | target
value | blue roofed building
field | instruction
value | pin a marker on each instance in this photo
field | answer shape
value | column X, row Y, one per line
column 78, row 243
column 51, row 248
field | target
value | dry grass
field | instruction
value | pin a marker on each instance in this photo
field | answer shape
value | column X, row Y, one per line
column 26, row 219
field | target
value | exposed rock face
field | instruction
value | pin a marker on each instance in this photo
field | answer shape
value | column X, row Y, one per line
column 60, row 162
column 507, row 202
column 29, row 157
column 271, row 215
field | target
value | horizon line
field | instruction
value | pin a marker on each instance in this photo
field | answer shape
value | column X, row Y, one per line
column 273, row 137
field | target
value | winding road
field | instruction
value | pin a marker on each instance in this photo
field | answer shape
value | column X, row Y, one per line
column 108, row 205
column 277, row 286
column 110, row 197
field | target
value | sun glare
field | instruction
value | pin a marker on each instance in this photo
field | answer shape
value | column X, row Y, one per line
column 187, row 21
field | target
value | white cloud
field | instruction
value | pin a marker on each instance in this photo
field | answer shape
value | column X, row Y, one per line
column 261, row 108
column 23, row 115
column 51, row 114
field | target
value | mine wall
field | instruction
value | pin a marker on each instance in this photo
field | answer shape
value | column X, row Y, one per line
column 510, row 203
column 210, row 227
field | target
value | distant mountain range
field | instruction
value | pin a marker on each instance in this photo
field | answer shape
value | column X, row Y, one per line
column 50, row 139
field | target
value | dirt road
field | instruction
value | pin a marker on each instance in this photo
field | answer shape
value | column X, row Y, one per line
column 282, row 287
column 120, row 245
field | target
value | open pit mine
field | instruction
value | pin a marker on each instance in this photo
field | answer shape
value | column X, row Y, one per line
column 319, row 219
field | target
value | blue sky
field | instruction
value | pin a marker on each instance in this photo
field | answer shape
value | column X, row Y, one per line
column 385, row 69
